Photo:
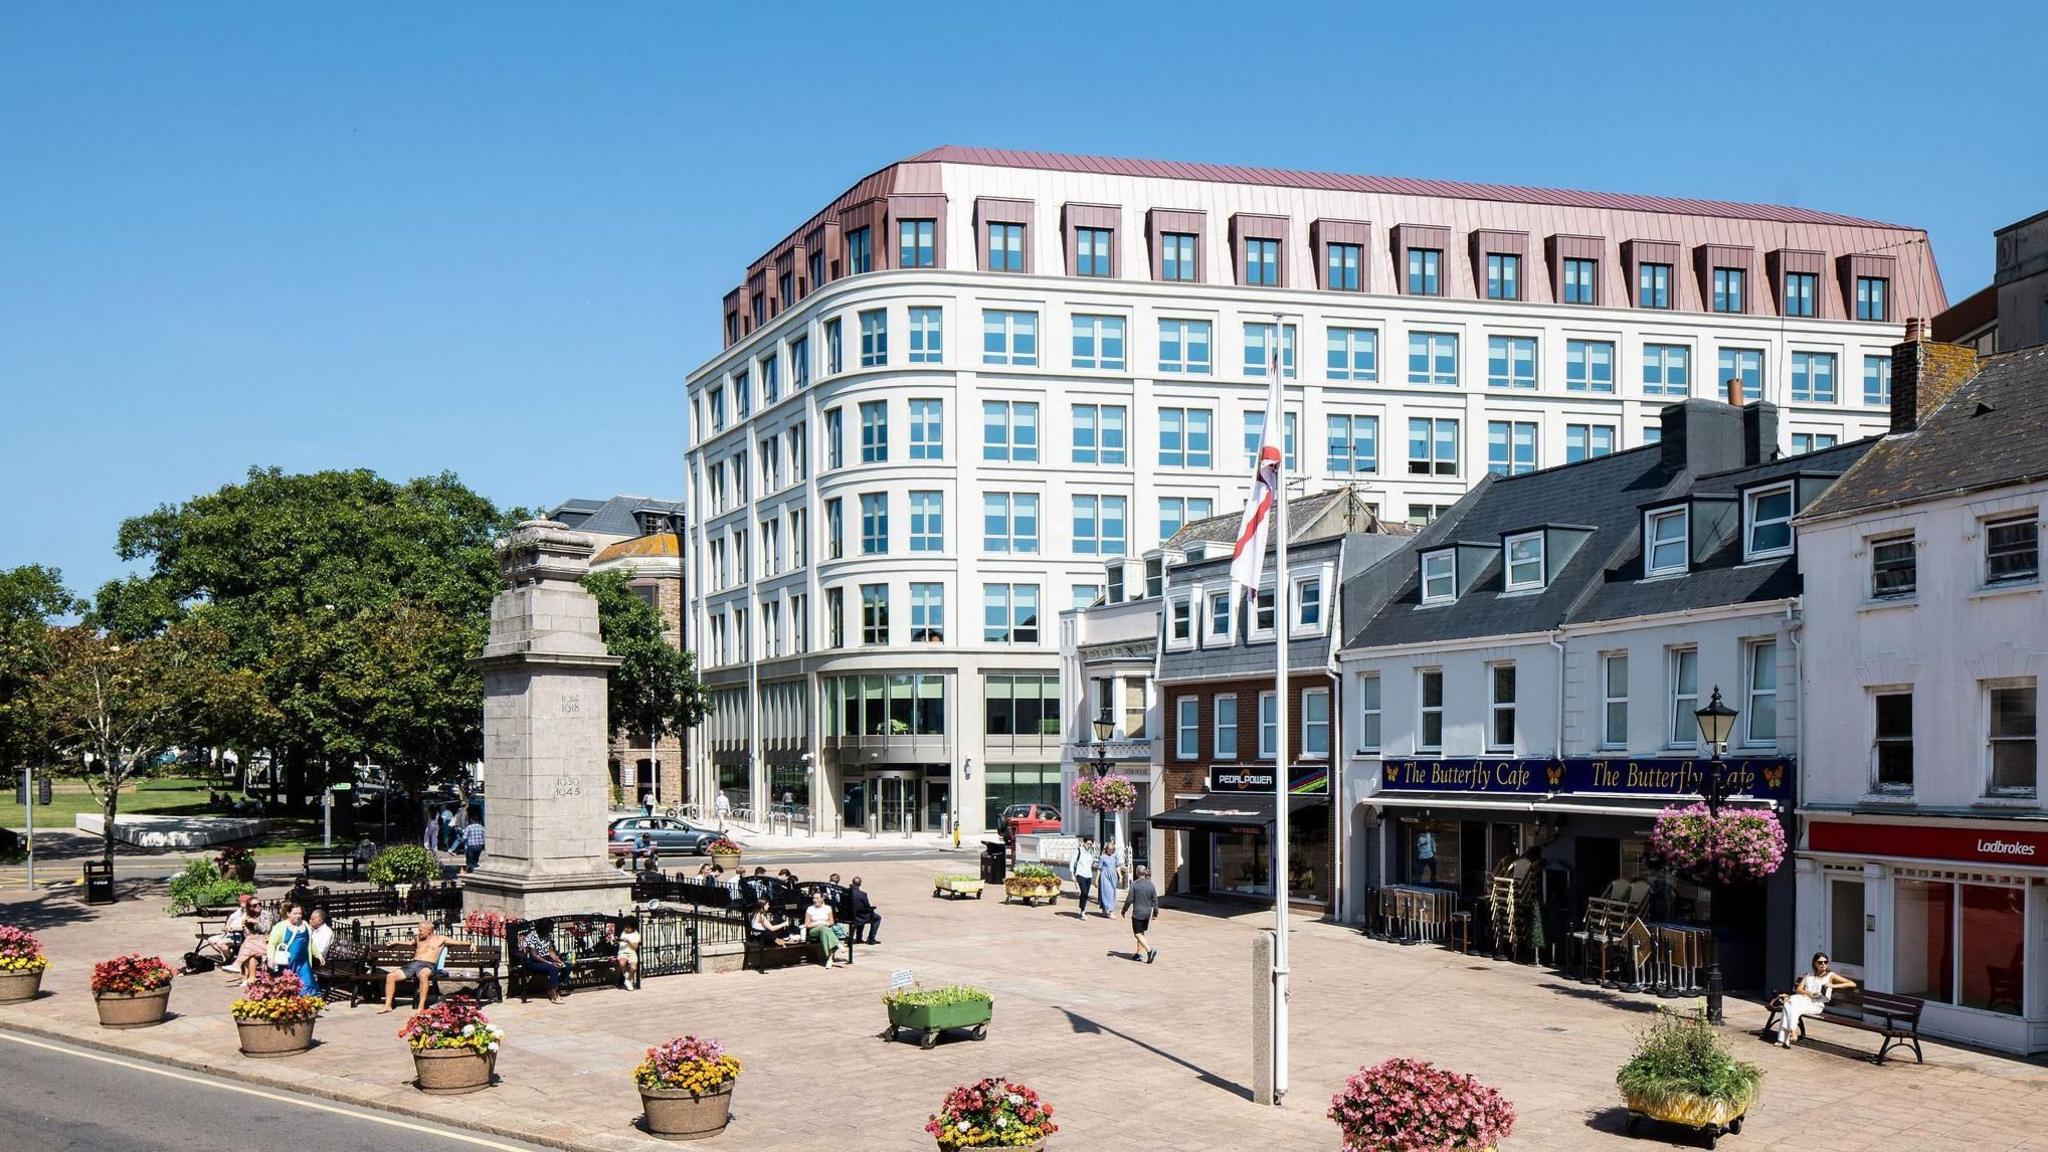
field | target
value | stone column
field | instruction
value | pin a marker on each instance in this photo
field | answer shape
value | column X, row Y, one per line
column 545, row 736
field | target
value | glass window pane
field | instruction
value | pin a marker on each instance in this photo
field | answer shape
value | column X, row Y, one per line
column 1923, row 939
column 1994, row 949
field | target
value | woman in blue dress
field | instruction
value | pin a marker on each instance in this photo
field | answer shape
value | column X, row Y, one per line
column 1105, row 879
column 293, row 948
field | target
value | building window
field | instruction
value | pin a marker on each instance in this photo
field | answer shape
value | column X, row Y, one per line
column 1894, row 568
column 874, row 613
column 1009, row 613
column 1091, row 251
column 1018, row 706
column 1258, row 350
column 1652, row 433
column 914, row 244
column 835, row 618
column 1220, row 606
column 927, row 429
column 1369, row 712
column 835, row 357
column 1588, row 366
column 1813, row 377
column 927, row 337
column 1877, row 381
column 1180, row 617
column 1433, row 359
column 1099, row 434
column 1099, row 526
column 874, row 432
column 1500, row 730
column 1353, row 354
column 1184, row 347
column 860, row 252
column 1525, row 562
column 927, row 613
column 1511, row 361
column 1767, row 522
column 1315, row 724
column 742, row 396
column 1614, row 700
column 1760, row 679
column 1255, row 434
column 771, row 380
column 1581, row 281
column 817, row 263
column 1510, row 447
column 1178, row 511
column 1804, row 442
column 1429, row 733
column 1873, row 297
column 1962, row 944
column 1432, row 446
column 799, row 454
column 874, row 338
column 1185, row 439
column 1005, row 247
column 1728, row 289
column 717, row 409
column 1263, row 609
column 1892, row 744
column 1503, row 276
column 1177, row 256
column 1746, row 365
column 1424, row 267
column 927, row 521
column 1269, row 725
column 1653, row 286
column 799, row 364
column 1667, row 370
column 835, row 529
column 1009, row 431
column 874, row 524
column 1684, row 728
column 1009, row 522
column 1225, row 704
column 2010, row 741
column 1439, row 577
column 835, row 438
column 1343, row 267
column 1009, row 338
column 2012, row 550
column 1801, row 291
column 1099, row 342
column 1587, row 441
column 1308, row 603
column 1187, row 727
column 1261, row 261
column 1354, row 444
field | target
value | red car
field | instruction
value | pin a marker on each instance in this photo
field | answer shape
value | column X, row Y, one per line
column 1026, row 819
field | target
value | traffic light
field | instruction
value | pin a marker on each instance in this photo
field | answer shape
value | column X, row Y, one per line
column 43, row 790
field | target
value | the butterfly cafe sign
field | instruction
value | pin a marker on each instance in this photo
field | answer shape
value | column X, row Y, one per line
column 1763, row 779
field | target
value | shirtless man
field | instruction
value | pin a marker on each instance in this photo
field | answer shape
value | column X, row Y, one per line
column 426, row 950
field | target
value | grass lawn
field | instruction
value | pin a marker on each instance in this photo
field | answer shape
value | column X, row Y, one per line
column 71, row 797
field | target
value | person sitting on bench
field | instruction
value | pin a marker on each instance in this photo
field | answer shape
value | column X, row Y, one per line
column 1809, row 997
column 538, row 956
column 861, row 911
column 770, row 929
column 429, row 953
column 822, row 927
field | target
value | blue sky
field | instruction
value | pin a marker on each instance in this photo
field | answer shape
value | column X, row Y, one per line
column 492, row 239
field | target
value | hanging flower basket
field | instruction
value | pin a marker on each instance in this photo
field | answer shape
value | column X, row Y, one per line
column 1405, row 1105
column 1742, row 846
column 1113, row 793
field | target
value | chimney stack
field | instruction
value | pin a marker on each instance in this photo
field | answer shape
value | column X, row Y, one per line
column 1735, row 391
column 1925, row 373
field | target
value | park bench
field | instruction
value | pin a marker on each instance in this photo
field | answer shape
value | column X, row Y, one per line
column 789, row 901
column 588, row 944
column 207, row 927
column 359, row 969
column 341, row 858
column 1897, row 1018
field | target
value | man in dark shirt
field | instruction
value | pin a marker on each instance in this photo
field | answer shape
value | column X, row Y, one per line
column 1141, row 904
column 864, row 914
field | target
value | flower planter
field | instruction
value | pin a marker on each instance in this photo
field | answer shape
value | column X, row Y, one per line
column 20, row 985
column 264, row 1039
column 132, row 1009
column 928, row 1020
column 679, row 1114
column 1031, row 889
column 1711, row 1117
column 453, row 1071
column 1038, row 1147
column 958, row 889
column 729, row 860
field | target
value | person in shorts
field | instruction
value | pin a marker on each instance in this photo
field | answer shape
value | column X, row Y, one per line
column 428, row 952
column 1141, row 904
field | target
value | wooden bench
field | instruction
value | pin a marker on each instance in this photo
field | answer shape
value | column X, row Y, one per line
column 588, row 945
column 208, row 928
column 360, row 970
column 342, row 858
column 789, row 903
column 1898, row 1018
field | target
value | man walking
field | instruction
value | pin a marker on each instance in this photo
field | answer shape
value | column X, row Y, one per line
column 723, row 807
column 1083, row 868
column 472, row 843
column 1141, row 904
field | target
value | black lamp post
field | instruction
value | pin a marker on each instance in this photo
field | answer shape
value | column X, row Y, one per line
column 1716, row 721
column 1105, row 727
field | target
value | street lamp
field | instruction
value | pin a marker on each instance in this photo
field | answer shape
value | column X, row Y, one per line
column 1105, row 727
column 1716, row 722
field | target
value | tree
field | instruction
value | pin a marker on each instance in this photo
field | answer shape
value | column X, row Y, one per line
column 654, row 690
column 31, row 599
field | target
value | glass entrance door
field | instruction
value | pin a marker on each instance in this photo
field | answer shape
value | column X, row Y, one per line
column 938, row 802
column 1846, row 926
column 898, row 801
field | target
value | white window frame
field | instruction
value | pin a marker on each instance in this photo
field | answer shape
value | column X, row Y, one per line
column 1310, row 725
column 1750, row 523
column 1298, row 601
column 1430, row 559
column 1371, row 713
column 1682, row 726
column 1216, row 707
column 1878, row 740
column 1211, row 638
column 1495, row 706
column 1187, row 727
column 1912, row 543
column 1271, row 594
column 1650, row 522
column 1508, row 559
column 1269, row 729
column 1984, row 553
column 1423, row 709
column 1608, row 700
column 1750, row 693
column 1180, row 622
column 1984, row 691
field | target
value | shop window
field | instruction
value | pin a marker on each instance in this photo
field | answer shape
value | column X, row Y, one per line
column 1500, row 732
column 1961, row 944
column 1429, row 735
column 1007, row 784
column 1845, row 923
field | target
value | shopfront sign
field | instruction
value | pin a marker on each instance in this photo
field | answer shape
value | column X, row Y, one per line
column 1612, row 776
column 1259, row 778
column 1922, row 842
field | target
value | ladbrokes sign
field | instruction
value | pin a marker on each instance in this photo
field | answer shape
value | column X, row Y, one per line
column 1974, row 845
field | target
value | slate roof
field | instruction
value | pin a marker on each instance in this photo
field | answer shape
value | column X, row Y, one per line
column 1992, row 432
column 1305, row 518
column 616, row 516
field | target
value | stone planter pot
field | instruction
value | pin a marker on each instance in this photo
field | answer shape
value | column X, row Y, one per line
column 263, row 1039
column 20, row 985
column 676, row 1114
column 730, row 862
column 132, row 1009
column 453, row 1071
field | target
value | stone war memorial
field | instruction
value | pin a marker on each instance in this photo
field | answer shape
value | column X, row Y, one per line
column 544, row 670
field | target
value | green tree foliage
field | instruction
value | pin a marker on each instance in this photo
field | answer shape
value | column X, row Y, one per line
column 654, row 691
column 31, row 599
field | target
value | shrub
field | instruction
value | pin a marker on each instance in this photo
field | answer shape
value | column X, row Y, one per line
column 944, row 879
column 1741, row 847
column 404, row 864
column 279, row 998
column 1108, row 794
column 939, row 997
column 687, row 1063
column 1034, row 872
column 20, row 952
column 127, row 975
column 201, row 885
column 994, row 1113
column 453, row 1023
column 1412, row 1106
column 1680, row 1055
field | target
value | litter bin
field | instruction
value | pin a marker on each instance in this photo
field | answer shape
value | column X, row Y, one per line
column 995, row 861
column 99, row 882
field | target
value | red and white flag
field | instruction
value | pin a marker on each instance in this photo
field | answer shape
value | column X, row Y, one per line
column 1248, row 560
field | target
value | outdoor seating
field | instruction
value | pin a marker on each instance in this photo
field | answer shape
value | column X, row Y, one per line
column 1895, row 1018
column 588, row 945
column 342, row 859
column 358, row 969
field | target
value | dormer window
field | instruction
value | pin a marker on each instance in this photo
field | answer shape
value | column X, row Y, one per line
column 1767, row 522
column 1219, row 631
column 1263, row 613
column 1180, row 626
column 1308, row 603
column 1439, row 577
column 1665, row 542
column 1525, row 562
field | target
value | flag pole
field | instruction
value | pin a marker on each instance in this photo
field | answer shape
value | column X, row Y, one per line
column 1281, row 774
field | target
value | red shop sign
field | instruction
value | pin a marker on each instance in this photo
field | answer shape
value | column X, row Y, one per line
column 1919, row 841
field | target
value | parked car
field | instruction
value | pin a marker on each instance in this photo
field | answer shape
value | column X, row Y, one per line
column 1025, row 819
column 671, row 836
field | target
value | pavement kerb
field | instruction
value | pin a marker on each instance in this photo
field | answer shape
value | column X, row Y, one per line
column 242, row 1073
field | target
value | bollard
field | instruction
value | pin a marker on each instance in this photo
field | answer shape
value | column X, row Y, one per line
column 1262, row 1017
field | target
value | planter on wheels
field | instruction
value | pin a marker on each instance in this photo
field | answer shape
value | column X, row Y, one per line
column 20, row 985
column 958, row 888
column 452, row 1071
column 1704, row 1115
column 263, row 1039
column 679, row 1114
column 1031, row 891
column 928, row 1020
column 132, row 1009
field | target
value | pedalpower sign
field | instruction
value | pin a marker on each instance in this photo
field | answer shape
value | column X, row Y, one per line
column 1918, row 842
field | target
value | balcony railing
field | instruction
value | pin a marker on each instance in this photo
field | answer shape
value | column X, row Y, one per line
column 1119, row 751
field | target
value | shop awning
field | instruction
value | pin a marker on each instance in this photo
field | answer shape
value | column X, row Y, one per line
column 1451, row 800
column 1645, row 806
column 1217, row 811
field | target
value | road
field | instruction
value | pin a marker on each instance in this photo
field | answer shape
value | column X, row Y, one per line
column 54, row 1097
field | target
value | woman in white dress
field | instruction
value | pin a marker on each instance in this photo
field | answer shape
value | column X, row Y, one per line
column 1809, row 997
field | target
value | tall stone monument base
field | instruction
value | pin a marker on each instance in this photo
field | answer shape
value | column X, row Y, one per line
column 545, row 673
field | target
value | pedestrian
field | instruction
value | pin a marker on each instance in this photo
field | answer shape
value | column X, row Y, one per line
column 291, row 948
column 472, row 844
column 1141, row 904
column 862, row 912
column 647, row 803
column 1082, row 866
column 445, row 821
column 648, row 855
column 1425, row 858
column 629, row 953
column 1106, row 866
column 322, row 936
column 723, row 807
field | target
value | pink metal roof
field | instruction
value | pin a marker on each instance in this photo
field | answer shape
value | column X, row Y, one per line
column 1340, row 182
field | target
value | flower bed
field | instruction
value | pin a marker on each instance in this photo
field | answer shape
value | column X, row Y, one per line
column 1742, row 846
column 1112, row 793
column 1032, row 882
column 686, row 1087
column 236, row 863
column 22, row 964
column 1412, row 1105
column 992, row 1113
column 957, row 884
column 930, row 1011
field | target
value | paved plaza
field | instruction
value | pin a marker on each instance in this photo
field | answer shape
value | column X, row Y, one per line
column 1134, row 1057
